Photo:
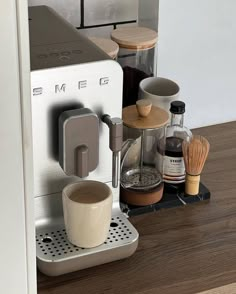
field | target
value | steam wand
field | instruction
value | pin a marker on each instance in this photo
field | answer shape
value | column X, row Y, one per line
column 115, row 143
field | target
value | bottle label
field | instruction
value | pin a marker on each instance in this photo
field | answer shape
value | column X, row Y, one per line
column 174, row 169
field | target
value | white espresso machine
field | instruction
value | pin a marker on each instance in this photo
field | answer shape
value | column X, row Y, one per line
column 73, row 81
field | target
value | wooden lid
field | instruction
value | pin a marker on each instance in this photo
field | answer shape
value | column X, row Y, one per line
column 135, row 37
column 107, row 45
column 144, row 116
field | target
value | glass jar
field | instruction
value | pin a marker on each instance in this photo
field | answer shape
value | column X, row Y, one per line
column 141, row 176
column 137, row 58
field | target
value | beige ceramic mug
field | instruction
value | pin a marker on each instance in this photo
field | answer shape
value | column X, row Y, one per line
column 160, row 91
column 87, row 207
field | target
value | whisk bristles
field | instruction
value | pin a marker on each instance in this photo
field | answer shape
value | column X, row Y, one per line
column 195, row 152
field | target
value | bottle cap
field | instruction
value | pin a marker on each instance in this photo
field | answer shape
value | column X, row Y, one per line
column 177, row 107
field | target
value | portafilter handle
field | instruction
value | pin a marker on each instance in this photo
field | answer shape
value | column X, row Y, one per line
column 115, row 143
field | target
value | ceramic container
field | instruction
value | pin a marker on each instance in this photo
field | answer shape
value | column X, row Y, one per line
column 160, row 91
column 87, row 207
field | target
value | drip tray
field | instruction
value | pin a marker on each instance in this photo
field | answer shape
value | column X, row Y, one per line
column 57, row 256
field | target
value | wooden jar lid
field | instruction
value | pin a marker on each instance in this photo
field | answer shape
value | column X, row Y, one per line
column 135, row 37
column 107, row 45
column 144, row 116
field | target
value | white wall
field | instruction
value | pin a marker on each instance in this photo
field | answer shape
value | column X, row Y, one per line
column 197, row 48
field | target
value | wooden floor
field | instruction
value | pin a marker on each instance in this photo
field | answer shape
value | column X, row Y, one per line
column 181, row 250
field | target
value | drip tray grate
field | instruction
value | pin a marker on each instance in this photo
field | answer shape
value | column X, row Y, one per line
column 53, row 246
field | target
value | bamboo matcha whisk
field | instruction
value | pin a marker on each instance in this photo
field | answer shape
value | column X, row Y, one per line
column 195, row 153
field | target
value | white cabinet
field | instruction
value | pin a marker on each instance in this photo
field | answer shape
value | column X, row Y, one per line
column 17, row 252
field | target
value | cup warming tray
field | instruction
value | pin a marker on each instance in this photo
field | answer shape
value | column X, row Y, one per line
column 57, row 256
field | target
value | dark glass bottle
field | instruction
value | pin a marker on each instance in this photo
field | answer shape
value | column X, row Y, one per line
column 176, row 132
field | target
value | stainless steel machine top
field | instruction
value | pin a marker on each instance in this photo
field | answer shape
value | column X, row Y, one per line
column 54, row 42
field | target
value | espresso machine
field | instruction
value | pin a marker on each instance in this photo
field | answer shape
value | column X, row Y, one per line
column 77, row 135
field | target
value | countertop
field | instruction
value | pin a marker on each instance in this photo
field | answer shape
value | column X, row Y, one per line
column 182, row 250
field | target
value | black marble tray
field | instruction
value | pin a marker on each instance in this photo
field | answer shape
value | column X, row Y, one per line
column 173, row 197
